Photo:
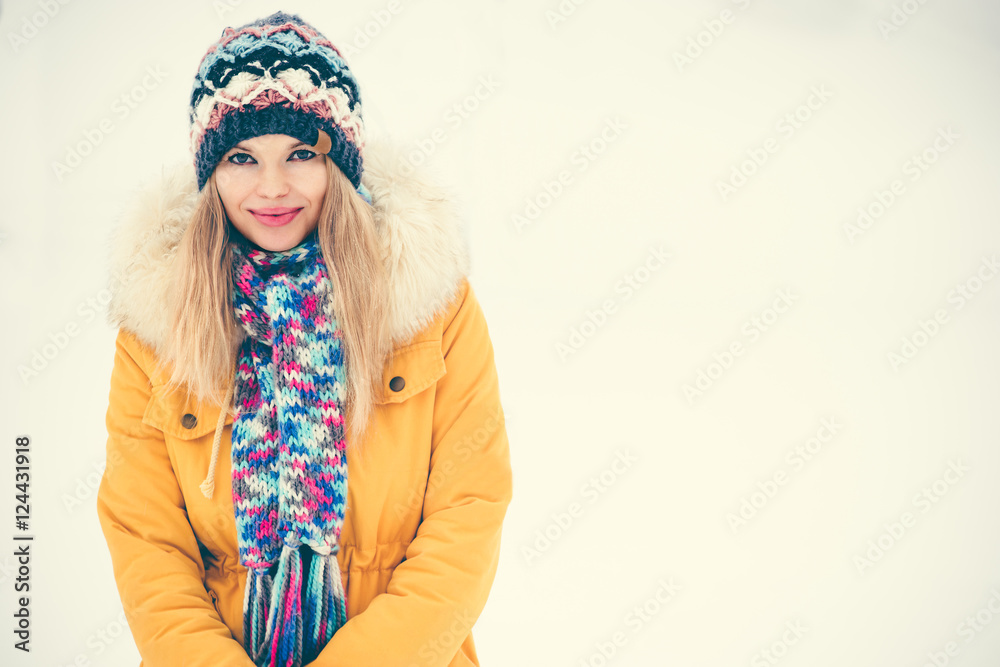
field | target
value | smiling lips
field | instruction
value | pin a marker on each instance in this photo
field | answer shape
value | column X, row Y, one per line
column 275, row 217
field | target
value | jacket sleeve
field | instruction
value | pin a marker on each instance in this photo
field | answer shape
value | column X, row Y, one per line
column 440, row 588
column 154, row 553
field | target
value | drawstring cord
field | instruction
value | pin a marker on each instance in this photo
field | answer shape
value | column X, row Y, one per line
column 208, row 486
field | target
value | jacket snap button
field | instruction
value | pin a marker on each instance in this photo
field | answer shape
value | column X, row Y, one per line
column 397, row 383
column 189, row 420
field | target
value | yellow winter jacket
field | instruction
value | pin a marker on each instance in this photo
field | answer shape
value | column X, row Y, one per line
column 427, row 495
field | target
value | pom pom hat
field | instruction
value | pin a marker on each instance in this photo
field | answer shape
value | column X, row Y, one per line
column 276, row 75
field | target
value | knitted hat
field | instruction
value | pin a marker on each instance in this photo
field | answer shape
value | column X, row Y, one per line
column 276, row 75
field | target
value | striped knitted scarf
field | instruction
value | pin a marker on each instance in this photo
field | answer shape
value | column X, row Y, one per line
column 288, row 452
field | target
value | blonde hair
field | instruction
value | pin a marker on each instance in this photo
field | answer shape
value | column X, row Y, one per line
column 205, row 337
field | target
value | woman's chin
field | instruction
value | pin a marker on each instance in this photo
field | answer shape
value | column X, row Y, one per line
column 276, row 239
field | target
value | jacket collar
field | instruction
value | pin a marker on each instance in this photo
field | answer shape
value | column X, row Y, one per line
column 417, row 222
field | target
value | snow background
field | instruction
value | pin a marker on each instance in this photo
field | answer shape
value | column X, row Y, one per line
column 665, row 516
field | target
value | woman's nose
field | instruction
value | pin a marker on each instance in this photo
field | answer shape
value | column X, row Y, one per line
column 272, row 182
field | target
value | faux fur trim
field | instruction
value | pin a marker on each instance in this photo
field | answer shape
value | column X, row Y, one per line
column 418, row 223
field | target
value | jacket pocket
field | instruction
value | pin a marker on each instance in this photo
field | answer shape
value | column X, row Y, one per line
column 170, row 413
column 413, row 369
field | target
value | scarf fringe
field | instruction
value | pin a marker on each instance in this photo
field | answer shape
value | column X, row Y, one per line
column 287, row 623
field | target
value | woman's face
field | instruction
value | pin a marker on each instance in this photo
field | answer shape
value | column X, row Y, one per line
column 272, row 187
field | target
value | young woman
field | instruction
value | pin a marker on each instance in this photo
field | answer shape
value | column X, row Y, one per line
column 307, row 462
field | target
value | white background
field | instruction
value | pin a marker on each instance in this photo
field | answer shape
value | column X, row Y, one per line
column 620, row 389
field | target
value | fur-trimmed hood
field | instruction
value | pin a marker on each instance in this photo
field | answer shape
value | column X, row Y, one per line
column 417, row 222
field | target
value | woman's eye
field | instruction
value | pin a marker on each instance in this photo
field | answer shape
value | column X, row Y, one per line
column 304, row 154
column 235, row 158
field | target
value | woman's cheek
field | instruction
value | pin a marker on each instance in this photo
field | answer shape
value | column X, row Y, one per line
column 311, row 172
column 232, row 180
